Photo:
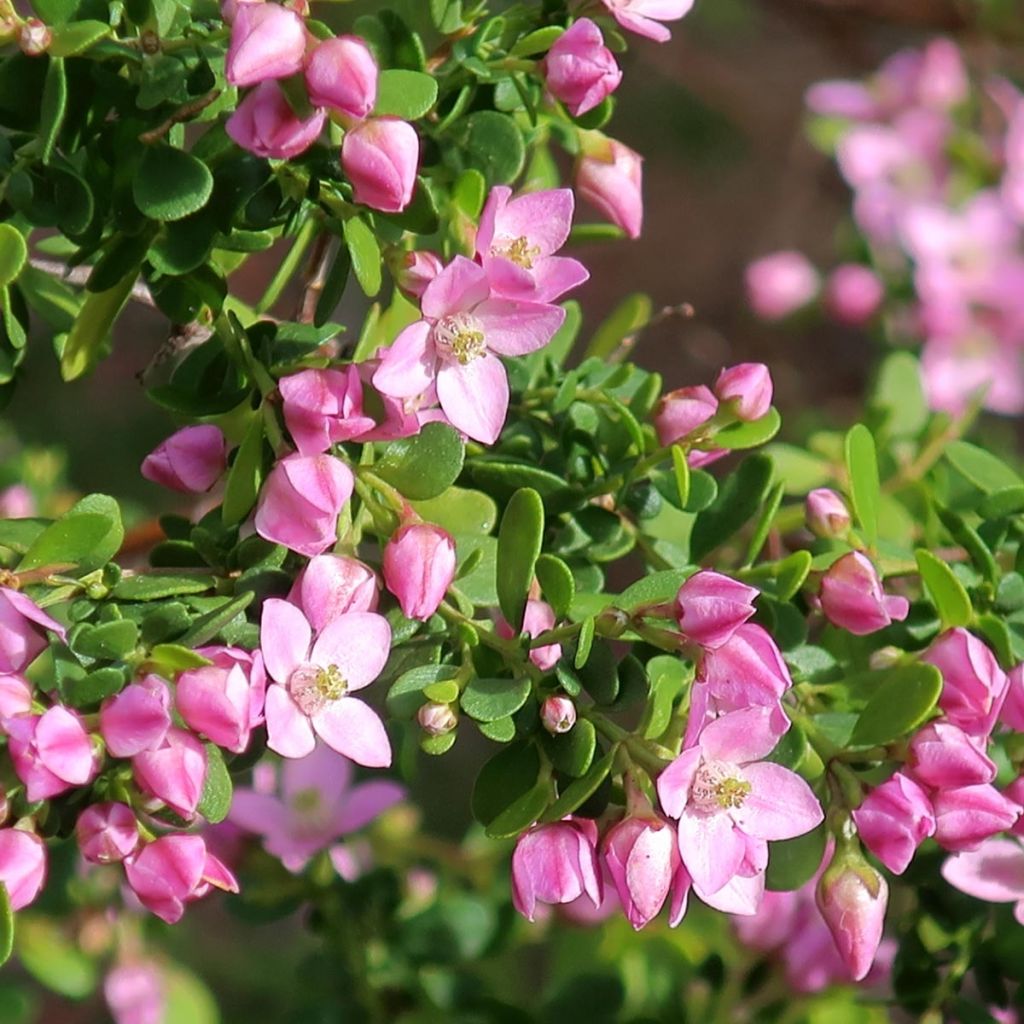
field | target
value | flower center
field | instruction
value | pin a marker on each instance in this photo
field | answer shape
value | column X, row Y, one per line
column 459, row 337
column 518, row 251
column 313, row 687
column 718, row 786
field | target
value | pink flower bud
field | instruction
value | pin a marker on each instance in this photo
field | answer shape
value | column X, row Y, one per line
column 35, row 37
column 22, row 865
column 415, row 270
column 710, row 607
column 853, row 294
column 267, row 41
column 301, row 501
column 966, row 817
column 610, row 178
column 380, row 157
column 748, row 386
column 579, row 69
column 229, row 8
column 223, row 701
column 826, row 514
column 51, row 753
column 174, row 772
column 266, row 125
column 137, row 718
column 23, row 626
column 681, row 412
column 779, row 284
column 642, row 857
column 556, row 863
column 135, row 994
column 852, row 597
column 192, row 460
column 17, row 502
column 333, row 585
column 973, row 685
column 342, row 74
column 436, row 719
column 419, row 566
column 323, row 407
column 852, row 899
column 1012, row 713
column 558, row 715
column 893, row 820
column 175, row 870
column 943, row 756
column 107, row 833
column 15, row 696
column 538, row 617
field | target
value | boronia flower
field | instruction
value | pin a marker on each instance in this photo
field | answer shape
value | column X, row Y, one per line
column 644, row 17
column 314, row 677
column 457, row 343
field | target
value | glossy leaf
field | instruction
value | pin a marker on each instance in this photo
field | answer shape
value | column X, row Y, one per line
column 903, row 699
column 423, row 466
column 87, row 535
column 947, row 593
column 365, row 253
column 519, row 543
column 405, row 94
column 865, row 490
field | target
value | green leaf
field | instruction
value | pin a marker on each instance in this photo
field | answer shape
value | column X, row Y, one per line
column 205, row 628
column 460, row 511
column 519, row 543
column 504, row 779
column 793, row 862
column 862, row 466
column 438, row 745
column 539, row 41
column 899, row 395
column 494, row 146
column 904, row 699
column 584, row 644
column 446, row 15
column 53, row 958
column 405, row 94
column 502, row 477
column 987, row 472
column 13, row 254
column 945, row 590
column 88, row 535
column 245, row 475
column 668, row 678
column 170, row 659
column 970, row 540
column 92, row 326
column 501, row 730
column 423, row 466
column 406, row 695
column 653, row 588
column 18, row 534
column 170, row 183
column 94, row 686
column 1008, row 501
column 487, row 700
column 572, row 752
column 54, row 103
column 764, row 522
column 579, row 791
column 154, row 586
column 69, row 40
column 334, row 286
column 108, row 640
column 6, row 926
column 681, row 469
column 629, row 316
column 739, row 498
column 188, row 1000
column 365, row 253
column 215, row 801
column 556, row 583
column 521, row 813
column 741, row 435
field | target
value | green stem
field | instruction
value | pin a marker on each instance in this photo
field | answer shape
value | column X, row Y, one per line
column 288, row 266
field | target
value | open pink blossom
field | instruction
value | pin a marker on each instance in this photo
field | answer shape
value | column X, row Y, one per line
column 317, row 805
column 994, row 872
column 51, row 753
column 331, row 585
column 725, row 796
column 323, row 407
column 556, row 863
column 22, row 865
column 314, row 679
column 517, row 239
column 457, row 343
column 644, row 17
column 135, row 993
column 23, row 626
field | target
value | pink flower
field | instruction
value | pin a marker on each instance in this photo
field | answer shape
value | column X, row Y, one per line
column 301, row 500
column 538, row 618
column 852, row 597
column 558, row 714
column 342, row 74
column 419, row 566
column 323, row 407
column 727, row 799
column 644, row 17
column 780, row 284
column 51, row 753
column 191, row 460
column 137, row 718
column 853, row 901
column 746, row 389
column 174, row 870
column 331, row 585
column 994, row 872
column 943, row 756
column 436, row 719
column 135, row 993
column 22, row 865
column 710, row 607
column 893, row 820
column 107, row 833
column 679, row 413
column 853, row 294
column 841, row 98
column 266, row 125
column 556, row 863
column 267, row 41
column 173, row 772
column 579, row 69
column 415, row 270
column 380, row 157
column 315, row 805
column 517, row 239
column 967, row 816
column 609, row 176
column 1012, row 712
column 22, row 630
column 642, row 857
column 457, row 344
column 17, row 502
column 15, row 697
column 973, row 685
column 826, row 514
column 314, row 677
column 223, row 701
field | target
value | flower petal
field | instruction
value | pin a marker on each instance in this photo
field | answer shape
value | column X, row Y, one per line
column 408, row 367
column 358, row 643
column 994, row 872
column 711, row 847
column 780, row 805
column 285, row 635
column 514, row 328
column 742, row 736
column 352, row 728
column 458, row 288
column 675, row 781
column 289, row 732
column 475, row 397
column 367, row 801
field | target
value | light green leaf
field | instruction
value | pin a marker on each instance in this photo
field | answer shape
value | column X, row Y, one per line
column 88, row 535
column 92, row 327
column 75, row 37
column 945, row 590
column 13, row 254
column 6, row 926
column 741, row 435
column 629, row 316
column 899, row 394
column 365, row 253
column 53, row 958
column 862, row 466
column 556, row 584
column 423, row 466
column 903, row 699
column 982, row 468
column 405, row 94
column 245, row 476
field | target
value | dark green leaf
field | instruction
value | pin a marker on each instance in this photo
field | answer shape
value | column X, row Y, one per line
column 215, row 801
column 521, row 813
column 487, row 700
column 423, row 466
column 69, row 40
column 580, row 790
column 205, row 628
column 245, row 475
column 108, row 640
column 504, row 779
column 519, row 543
column 334, row 286
column 170, row 183
column 406, row 695
column 494, row 146
column 739, row 498
column 556, row 584
column 572, row 752
column 365, row 253
column 153, row 586
column 793, row 862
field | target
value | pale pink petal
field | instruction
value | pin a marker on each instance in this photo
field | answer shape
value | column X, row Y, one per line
column 994, row 872
column 367, row 801
column 543, row 218
column 475, row 397
column 408, row 367
column 780, row 805
column 64, row 746
column 26, row 606
column 289, row 732
column 325, row 772
column 285, row 635
column 510, row 280
column 258, row 813
column 711, row 847
column 358, row 643
column 642, row 26
column 458, row 288
column 740, row 895
column 741, row 736
column 514, row 328
column 352, row 728
column 557, row 275
column 675, row 781
column 497, row 200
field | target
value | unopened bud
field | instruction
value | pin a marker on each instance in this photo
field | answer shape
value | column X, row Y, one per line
column 852, row 897
column 827, row 514
column 558, row 715
column 436, row 719
column 885, row 657
column 612, row 622
column 35, row 37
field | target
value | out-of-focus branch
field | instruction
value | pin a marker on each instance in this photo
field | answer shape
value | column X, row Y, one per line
column 79, row 275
